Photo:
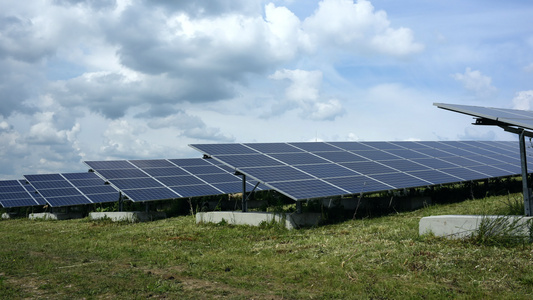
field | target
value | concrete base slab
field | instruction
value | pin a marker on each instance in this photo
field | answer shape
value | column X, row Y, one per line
column 128, row 216
column 55, row 216
column 461, row 226
column 6, row 216
column 290, row 220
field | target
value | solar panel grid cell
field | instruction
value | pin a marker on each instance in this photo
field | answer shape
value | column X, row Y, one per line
column 341, row 156
column 122, row 173
column 196, row 190
column 180, row 180
column 9, row 183
column 298, row 158
column 88, row 182
column 182, row 162
column 315, row 147
column 368, row 167
column 269, row 148
column 110, row 164
column 198, row 170
column 18, row 203
column 326, row 170
column 173, row 171
column 435, row 176
column 55, row 184
column 308, row 189
column 80, row 176
column 14, row 195
column 375, row 155
column 276, row 173
column 219, row 178
column 152, row 163
column 404, row 165
column 359, row 184
column 44, row 177
column 351, row 146
column 251, row 160
column 158, row 193
column 400, row 180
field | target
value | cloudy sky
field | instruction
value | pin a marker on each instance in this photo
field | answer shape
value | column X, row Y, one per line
column 130, row 79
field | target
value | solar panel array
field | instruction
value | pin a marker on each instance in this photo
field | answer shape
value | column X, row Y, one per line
column 314, row 170
column 514, row 117
column 17, row 193
column 162, row 179
column 70, row 189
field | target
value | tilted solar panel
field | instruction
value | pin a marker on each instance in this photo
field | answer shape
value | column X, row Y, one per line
column 317, row 170
column 164, row 179
column 16, row 193
column 513, row 117
column 69, row 189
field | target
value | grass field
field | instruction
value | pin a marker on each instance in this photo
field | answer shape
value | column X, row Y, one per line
column 372, row 258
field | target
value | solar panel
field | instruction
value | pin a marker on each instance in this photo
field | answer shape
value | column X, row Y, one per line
column 338, row 168
column 514, row 117
column 164, row 179
column 16, row 193
column 69, row 189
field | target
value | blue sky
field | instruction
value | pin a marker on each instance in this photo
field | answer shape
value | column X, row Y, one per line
column 128, row 79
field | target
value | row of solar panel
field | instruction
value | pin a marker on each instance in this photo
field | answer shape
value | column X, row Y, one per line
column 166, row 179
column 313, row 170
column 299, row 170
column 138, row 180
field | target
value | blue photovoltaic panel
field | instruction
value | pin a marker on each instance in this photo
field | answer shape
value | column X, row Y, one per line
column 14, row 193
column 367, row 167
column 340, row 156
column 273, row 147
column 327, row 170
column 514, row 117
column 110, row 164
column 250, row 160
column 70, row 189
column 163, row 179
column 299, row 158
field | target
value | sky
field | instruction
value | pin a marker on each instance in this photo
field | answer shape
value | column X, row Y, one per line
column 137, row 79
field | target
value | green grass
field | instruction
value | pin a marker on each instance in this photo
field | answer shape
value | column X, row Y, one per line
column 372, row 258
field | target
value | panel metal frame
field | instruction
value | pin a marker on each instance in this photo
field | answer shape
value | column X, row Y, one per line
column 519, row 122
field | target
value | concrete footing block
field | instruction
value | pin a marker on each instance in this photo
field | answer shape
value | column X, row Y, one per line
column 128, row 216
column 461, row 226
column 6, row 216
column 55, row 216
column 290, row 220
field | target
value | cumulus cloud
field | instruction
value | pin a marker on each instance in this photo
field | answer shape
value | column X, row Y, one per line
column 523, row 100
column 303, row 93
column 356, row 27
column 476, row 82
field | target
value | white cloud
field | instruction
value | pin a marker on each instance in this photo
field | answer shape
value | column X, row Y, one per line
column 357, row 28
column 523, row 100
column 475, row 81
column 303, row 92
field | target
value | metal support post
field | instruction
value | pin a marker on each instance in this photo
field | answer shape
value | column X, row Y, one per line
column 244, row 198
column 525, row 182
column 120, row 202
column 298, row 207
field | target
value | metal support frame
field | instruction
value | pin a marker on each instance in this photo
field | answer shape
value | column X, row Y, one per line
column 522, row 134
column 298, row 207
column 120, row 202
column 244, row 198
column 526, row 190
